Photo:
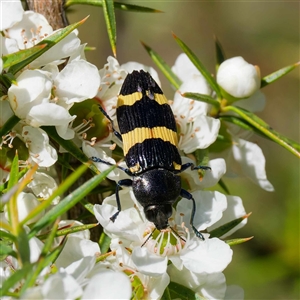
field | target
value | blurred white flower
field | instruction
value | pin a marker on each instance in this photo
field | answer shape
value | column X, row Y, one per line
column 238, row 78
column 26, row 203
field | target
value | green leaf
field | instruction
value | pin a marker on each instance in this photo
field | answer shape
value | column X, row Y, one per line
column 17, row 276
column 50, row 41
column 239, row 122
column 8, row 125
column 176, row 290
column 223, row 141
column 6, row 250
column 220, row 55
column 277, row 74
column 59, row 191
column 17, row 57
column 202, row 98
column 14, row 172
column 22, row 245
column 68, row 230
column 224, row 186
column 198, row 64
column 118, row 5
column 163, row 66
column 104, row 243
column 7, row 236
column 223, row 229
column 110, row 20
column 5, row 184
column 265, row 129
column 12, row 208
column 6, row 80
column 234, row 242
column 64, row 205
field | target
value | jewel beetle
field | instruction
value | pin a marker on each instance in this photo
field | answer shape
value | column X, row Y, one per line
column 150, row 144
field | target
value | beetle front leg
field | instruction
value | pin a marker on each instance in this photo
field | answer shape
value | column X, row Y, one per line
column 120, row 183
column 189, row 196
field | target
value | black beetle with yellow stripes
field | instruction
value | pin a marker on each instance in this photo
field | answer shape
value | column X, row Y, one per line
column 148, row 132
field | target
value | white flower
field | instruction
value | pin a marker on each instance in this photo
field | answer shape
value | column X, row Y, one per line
column 78, row 81
column 238, row 78
column 208, row 286
column 234, row 292
column 255, row 103
column 129, row 67
column 75, row 249
column 187, row 71
column 108, row 284
column 211, row 178
column 247, row 159
column 30, row 100
column 33, row 28
column 11, row 12
column 149, row 260
column 7, row 46
column 196, row 129
column 43, row 185
column 58, row 286
column 96, row 150
column 234, row 210
column 40, row 150
column 112, row 77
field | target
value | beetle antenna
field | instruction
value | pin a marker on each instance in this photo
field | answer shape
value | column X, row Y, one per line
column 176, row 233
column 148, row 238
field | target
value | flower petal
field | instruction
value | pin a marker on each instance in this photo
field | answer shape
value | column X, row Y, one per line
column 78, row 81
column 252, row 161
column 235, row 209
column 108, row 284
column 209, row 256
column 148, row 263
column 210, row 204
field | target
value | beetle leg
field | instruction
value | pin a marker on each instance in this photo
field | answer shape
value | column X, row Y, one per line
column 99, row 160
column 120, row 183
column 116, row 133
column 189, row 196
column 187, row 165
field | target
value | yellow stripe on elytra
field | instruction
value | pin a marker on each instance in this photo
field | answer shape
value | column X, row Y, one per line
column 137, row 96
column 139, row 134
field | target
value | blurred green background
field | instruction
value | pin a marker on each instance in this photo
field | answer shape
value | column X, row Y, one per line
column 266, row 34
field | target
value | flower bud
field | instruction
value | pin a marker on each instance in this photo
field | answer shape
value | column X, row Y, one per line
column 238, row 78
